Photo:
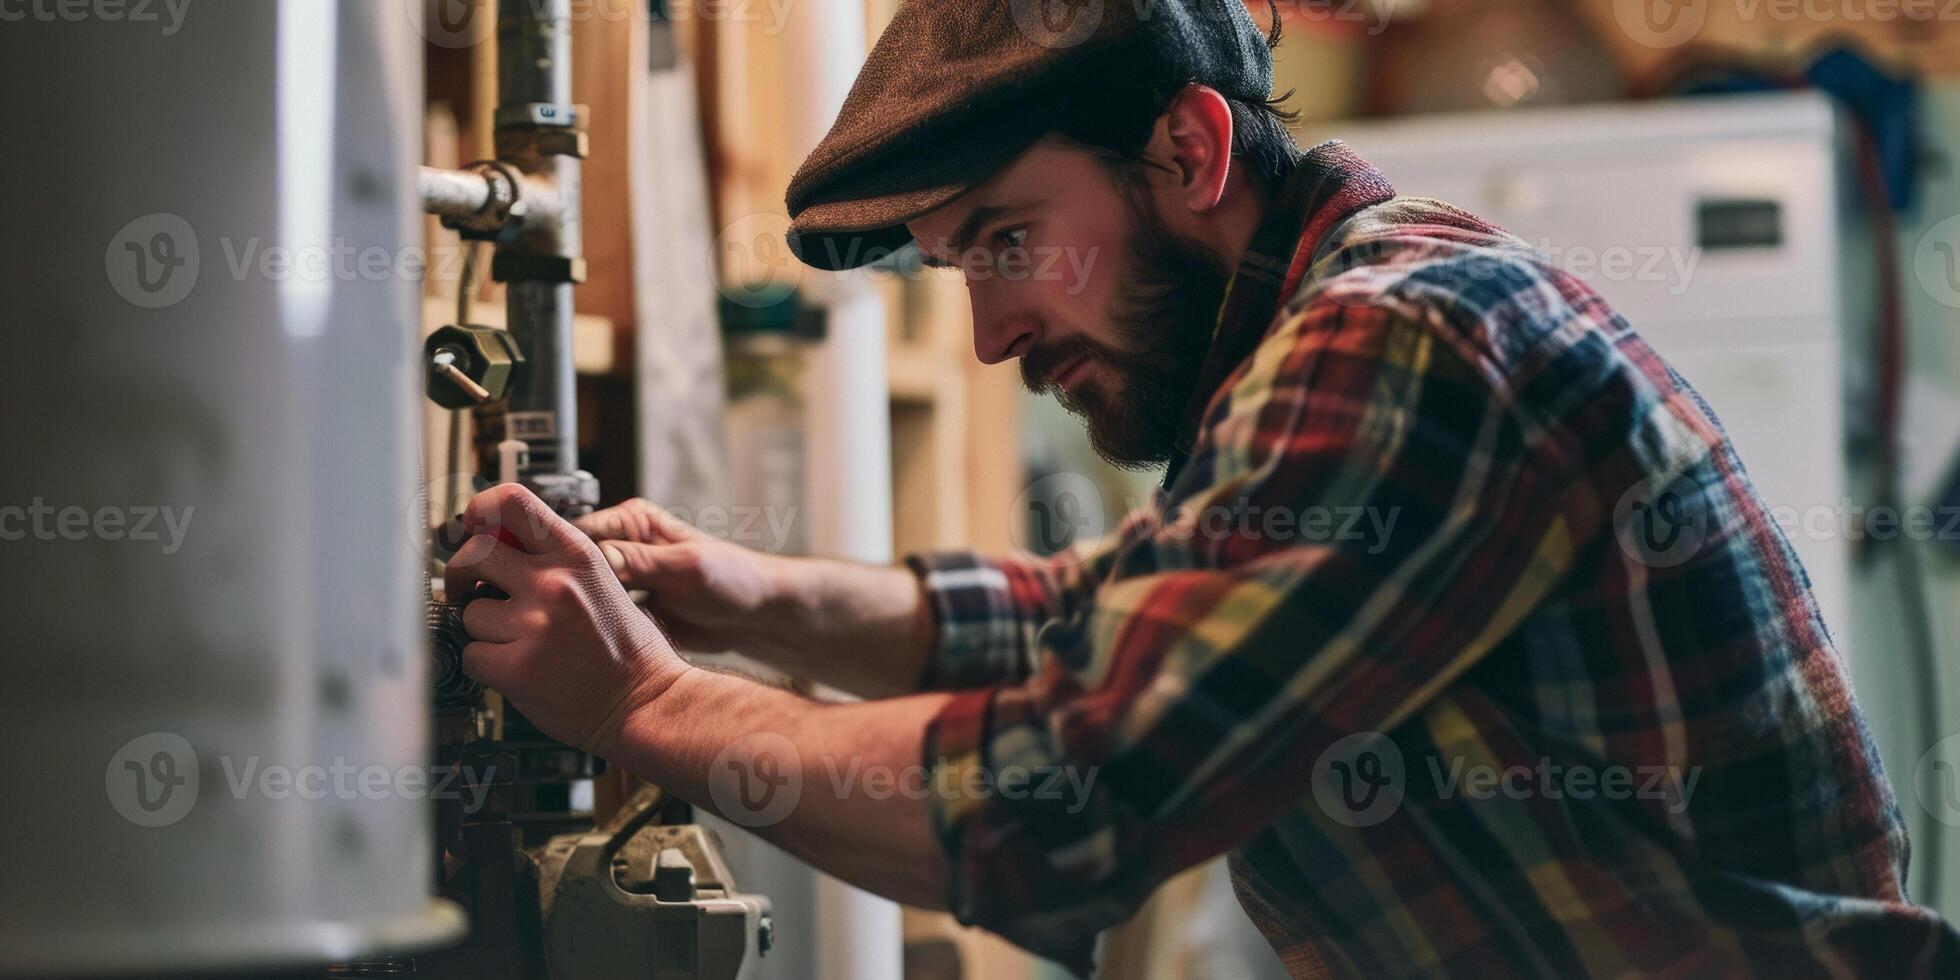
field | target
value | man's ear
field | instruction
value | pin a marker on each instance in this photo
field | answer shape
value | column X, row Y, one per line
column 1195, row 136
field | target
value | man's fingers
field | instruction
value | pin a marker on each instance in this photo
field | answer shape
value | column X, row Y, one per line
column 636, row 520
column 494, row 620
column 489, row 663
column 649, row 566
column 515, row 513
column 483, row 558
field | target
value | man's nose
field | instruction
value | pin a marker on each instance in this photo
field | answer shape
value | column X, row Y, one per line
column 998, row 334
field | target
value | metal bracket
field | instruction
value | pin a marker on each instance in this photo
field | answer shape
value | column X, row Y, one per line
column 636, row 899
column 508, row 266
column 540, row 129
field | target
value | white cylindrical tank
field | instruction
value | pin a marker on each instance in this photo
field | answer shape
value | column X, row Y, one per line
column 214, row 698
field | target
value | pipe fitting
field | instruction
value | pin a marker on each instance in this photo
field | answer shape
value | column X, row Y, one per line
column 479, row 199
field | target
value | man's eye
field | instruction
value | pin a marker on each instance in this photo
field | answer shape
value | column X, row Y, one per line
column 1014, row 238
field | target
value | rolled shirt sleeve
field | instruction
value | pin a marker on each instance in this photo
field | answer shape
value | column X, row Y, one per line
column 985, row 613
column 1358, row 524
column 988, row 612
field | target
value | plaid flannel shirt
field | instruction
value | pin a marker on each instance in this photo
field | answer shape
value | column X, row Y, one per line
column 1560, row 705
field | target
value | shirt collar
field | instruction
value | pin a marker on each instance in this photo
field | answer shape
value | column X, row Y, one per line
column 1329, row 184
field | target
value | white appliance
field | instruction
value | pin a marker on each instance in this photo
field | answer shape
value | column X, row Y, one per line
column 1626, row 197
column 179, row 343
column 1718, row 227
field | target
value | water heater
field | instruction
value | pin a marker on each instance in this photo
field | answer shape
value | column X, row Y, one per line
column 215, row 700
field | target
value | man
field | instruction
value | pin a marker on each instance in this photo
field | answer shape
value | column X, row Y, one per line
column 1561, row 704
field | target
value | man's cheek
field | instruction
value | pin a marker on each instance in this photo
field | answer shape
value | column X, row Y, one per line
column 1080, row 264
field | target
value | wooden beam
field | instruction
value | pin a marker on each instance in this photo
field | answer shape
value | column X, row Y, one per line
column 608, row 71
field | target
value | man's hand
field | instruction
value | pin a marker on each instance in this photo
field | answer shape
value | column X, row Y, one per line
column 567, row 647
column 860, row 628
column 708, row 595
column 571, row 651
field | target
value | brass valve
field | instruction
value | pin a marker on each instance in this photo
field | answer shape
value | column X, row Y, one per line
column 470, row 365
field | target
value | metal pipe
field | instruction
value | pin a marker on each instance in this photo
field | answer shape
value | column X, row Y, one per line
column 534, row 76
column 534, row 52
column 489, row 196
column 460, row 194
column 544, row 411
column 528, row 201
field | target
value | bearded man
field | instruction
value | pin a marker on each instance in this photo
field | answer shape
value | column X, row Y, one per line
column 1569, row 710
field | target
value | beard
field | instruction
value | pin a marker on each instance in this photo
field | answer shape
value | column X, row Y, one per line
column 1166, row 305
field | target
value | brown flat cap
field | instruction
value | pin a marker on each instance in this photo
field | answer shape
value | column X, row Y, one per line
column 955, row 89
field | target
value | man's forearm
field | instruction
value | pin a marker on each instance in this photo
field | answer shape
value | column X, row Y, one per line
column 859, row 628
column 854, row 788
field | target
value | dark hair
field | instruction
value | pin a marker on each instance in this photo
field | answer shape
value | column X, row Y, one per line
column 1118, row 121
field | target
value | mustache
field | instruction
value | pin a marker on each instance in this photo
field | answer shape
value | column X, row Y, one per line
column 1039, row 363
